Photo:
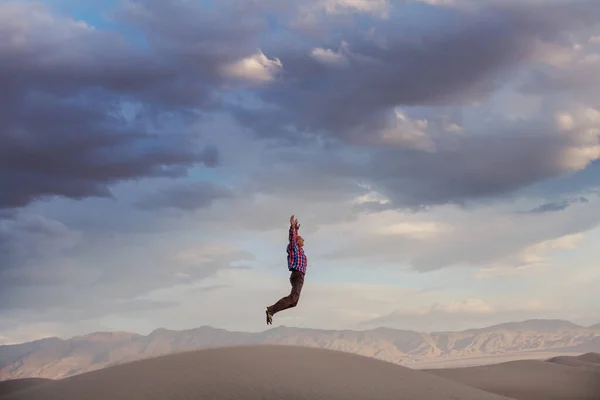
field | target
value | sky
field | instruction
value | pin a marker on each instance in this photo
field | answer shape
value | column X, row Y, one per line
column 441, row 157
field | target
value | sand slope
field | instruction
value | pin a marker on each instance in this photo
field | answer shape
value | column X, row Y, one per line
column 15, row 385
column 593, row 358
column 529, row 380
column 256, row 372
column 575, row 362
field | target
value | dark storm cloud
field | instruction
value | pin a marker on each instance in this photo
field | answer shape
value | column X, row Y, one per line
column 82, row 108
column 504, row 160
column 195, row 37
column 185, row 196
column 65, row 128
column 464, row 58
column 75, row 151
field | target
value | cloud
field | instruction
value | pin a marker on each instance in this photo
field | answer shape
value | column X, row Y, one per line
column 558, row 205
column 379, row 8
column 75, row 110
column 49, row 268
column 417, row 230
column 185, row 196
column 256, row 68
column 24, row 239
column 433, row 154
column 417, row 70
column 330, row 57
column 482, row 238
column 181, row 67
column 352, row 304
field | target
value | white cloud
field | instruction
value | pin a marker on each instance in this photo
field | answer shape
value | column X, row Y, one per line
column 204, row 252
column 581, row 129
column 558, row 55
column 450, row 236
column 370, row 196
column 416, row 230
column 404, row 132
column 380, row 8
column 533, row 260
column 469, row 306
column 330, row 57
column 565, row 121
column 520, row 271
column 438, row 2
column 257, row 68
column 533, row 254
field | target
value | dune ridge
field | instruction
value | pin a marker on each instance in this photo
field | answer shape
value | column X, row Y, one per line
column 256, row 372
column 591, row 357
column 530, row 379
column 16, row 385
column 575, row 362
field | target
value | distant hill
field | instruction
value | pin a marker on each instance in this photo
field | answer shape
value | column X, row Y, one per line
column 534, row 325
column 55, row 358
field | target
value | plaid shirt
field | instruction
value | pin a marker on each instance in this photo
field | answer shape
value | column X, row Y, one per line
column 296, row 257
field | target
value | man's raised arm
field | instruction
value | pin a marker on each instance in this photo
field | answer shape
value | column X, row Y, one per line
column 293, row 231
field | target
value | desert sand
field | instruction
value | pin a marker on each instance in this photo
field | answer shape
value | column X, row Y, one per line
column 530, row 379
column 580, row 361
column 589, row 357
column 255, row 372
column 15, row 385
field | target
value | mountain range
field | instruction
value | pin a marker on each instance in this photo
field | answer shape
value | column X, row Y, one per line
column 55, row 358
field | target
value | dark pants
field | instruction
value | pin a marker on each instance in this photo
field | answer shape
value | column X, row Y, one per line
column 291, row 300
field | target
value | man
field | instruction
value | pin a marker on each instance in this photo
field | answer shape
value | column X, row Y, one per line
column 297, row 265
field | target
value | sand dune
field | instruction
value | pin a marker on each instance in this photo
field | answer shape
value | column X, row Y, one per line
column 15, row 385
column 593, row 358
column 575, row 362
column 255, row 372
column 529, row 380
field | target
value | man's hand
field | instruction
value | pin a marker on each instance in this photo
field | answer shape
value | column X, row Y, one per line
column 294, row 223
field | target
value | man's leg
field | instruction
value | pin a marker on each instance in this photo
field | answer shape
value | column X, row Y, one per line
column 291, row 300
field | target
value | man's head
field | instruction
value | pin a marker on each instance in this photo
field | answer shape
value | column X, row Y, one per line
column 299, row 241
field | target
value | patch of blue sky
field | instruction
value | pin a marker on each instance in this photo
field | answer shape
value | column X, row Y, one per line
column 214, row 175
column 586, row 181
column 98, row 14
column 94, row 13
column 246, row 99
column 416, row 19
column 280, row 38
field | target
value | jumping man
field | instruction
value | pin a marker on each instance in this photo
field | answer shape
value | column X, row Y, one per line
column 297, row 265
